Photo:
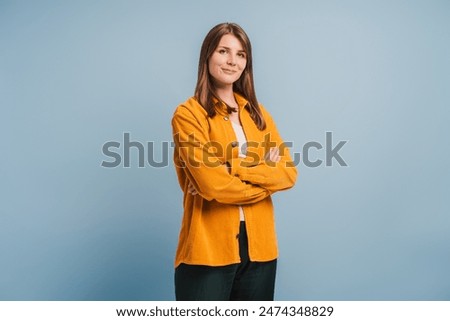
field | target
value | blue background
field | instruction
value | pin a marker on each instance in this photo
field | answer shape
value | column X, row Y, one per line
column 74, row 75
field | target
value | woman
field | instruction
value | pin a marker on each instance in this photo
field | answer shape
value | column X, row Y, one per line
column 229, row 159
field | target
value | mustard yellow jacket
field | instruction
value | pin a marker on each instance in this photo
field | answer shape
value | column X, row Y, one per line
column 204, row 146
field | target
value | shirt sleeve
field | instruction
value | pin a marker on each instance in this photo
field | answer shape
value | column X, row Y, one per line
column 203, row 169
column 273, row 176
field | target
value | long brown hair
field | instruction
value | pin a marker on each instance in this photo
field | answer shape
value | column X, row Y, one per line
column 205, row 91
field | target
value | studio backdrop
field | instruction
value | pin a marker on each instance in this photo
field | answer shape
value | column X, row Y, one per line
column 90, row 205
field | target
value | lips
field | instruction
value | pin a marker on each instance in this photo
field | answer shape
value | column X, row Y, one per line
column 228, row 71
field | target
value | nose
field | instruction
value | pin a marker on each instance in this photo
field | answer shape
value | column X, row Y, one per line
column 232, row 60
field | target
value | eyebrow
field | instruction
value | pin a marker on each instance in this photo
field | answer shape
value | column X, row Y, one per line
column 230, row 48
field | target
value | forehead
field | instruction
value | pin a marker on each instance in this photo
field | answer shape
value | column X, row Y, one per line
column 230, row 41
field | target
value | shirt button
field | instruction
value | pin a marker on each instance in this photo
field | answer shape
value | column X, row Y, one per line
column 234, row 144
column 225, row 118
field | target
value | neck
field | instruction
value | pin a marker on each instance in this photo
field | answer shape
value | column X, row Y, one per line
column 226, row 94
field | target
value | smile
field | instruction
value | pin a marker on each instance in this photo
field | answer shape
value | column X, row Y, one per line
column 228, row 71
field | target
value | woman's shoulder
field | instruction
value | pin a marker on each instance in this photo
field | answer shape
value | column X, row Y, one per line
column 267, row 117
column 264, row 111
column 191, row 106
column 190, row 112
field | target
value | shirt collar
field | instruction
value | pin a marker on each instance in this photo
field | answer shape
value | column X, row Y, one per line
column 241, row 101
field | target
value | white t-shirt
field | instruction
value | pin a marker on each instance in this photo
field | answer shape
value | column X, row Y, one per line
column 242, row 141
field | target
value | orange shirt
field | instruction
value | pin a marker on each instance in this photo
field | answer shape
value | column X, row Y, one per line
column 203, row 148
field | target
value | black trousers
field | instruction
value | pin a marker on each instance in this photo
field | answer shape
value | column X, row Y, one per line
column 245, row 281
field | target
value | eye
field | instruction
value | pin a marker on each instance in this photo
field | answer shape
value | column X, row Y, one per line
column 242, row 55
column 222, row 51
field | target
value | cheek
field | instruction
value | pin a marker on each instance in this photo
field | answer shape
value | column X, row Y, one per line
column 211, row 67
column 214, row 70
column 214, row 64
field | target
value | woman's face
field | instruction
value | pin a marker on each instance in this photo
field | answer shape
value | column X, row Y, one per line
column 227, row 62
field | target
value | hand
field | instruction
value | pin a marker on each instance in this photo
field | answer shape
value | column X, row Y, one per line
column 191, row 189
column 273, row 155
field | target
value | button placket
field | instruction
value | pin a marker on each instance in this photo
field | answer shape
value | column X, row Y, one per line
column 234, row 143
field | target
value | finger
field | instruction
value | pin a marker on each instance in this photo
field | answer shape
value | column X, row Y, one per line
column 191, row 189
column 274, row 153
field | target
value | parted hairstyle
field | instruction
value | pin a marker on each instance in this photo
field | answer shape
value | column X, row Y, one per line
column 205, row 91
